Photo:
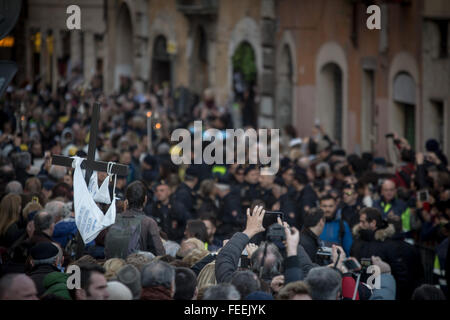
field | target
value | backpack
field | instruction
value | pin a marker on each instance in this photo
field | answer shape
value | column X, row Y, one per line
column 123, row 237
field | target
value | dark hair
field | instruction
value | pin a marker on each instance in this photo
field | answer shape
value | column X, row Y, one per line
column 135, row 194
column 207, row 215
column 372, row 214
column 197, row 229
column 328, row 196
column 245, row 282
column 301, row 178
column 61, row 189
column 428, row 292
column 86, row 270
column 312, row 217
column 185, row 284
column 42, row 221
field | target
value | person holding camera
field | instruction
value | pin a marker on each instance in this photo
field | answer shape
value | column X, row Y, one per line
column 314, row 222
column 336, row 230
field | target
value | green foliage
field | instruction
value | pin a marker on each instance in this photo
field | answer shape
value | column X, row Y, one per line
column 244, row 61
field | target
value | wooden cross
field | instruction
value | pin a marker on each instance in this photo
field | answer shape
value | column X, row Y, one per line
column 90, row 164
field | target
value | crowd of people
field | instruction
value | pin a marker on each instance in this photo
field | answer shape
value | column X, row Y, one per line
column 316, row 230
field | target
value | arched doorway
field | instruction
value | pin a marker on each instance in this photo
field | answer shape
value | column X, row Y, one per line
column 124, row 47
column 161, row 63
column 330, row 97
column 244, row 82
column 283, row 107
column 200, row 64
column 404, row 117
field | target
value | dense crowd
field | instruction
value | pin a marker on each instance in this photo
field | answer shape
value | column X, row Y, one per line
column 316, row 230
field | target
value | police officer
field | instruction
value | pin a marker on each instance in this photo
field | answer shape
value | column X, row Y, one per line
column 231, row 215
column 169, row 214
column 185, row 194
column 251, row 190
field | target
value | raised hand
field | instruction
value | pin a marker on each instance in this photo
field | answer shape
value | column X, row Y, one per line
column 254, row 221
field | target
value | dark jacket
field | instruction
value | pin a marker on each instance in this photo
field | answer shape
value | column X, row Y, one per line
column 38, row 273
column 306, row 198
column 403, row 258
column 231, row 215
column 171, row 218
column 351, row 213
column 185, row 196
column 310, row 243
column 228, row 258
column 150, row 239
column 12, row 234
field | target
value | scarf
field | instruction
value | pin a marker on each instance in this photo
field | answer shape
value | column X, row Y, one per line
column 156, row 293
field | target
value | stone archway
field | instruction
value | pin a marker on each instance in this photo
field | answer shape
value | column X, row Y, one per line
column 404, row 111
column 330, row 100
column 246, row 30
column 284, row 89
column 161, row 62
column 401, row 91
column 286, row 80
column 332, row 90
column 199, row 75
column 124, row 46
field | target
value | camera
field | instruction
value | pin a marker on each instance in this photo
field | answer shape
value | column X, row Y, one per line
column 423, row 195
column 323, row 256
column 324, row 251
column 352, row 265
column 275, row 233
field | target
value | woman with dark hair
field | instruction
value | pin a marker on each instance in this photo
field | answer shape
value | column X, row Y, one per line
column 10, row 209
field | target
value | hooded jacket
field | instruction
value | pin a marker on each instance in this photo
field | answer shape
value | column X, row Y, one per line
column 403, row 258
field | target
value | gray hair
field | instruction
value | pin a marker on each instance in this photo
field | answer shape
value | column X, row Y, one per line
column 21, row 160
column 55, row 208
column 223, row 291
column 57, row 172
column 158, row 273
column 171, row 248
column 14, row 187
column 43, row 220
column 273, row 262
column 325, row 283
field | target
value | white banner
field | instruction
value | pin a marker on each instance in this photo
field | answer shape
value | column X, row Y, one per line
column 89, row 219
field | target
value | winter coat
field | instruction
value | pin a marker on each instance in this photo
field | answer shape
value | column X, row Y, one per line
column 310, row 243
column 38, row 274
column 332, row 234
column 403, row 258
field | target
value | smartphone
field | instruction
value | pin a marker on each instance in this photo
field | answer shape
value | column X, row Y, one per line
column 351, row 265
column 270, row 217
column 423, row 196
column 389, row 135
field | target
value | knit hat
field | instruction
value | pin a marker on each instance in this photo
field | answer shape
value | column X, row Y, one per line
column 43, row 250
column 56, row 283
column 118, row 291
column 130, row 276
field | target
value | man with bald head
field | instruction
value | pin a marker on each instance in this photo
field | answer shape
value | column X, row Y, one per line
column 17, row 286
column 44, row 224
column 392, row 207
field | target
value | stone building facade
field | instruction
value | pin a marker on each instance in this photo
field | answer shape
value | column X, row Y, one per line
column 316, row 61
